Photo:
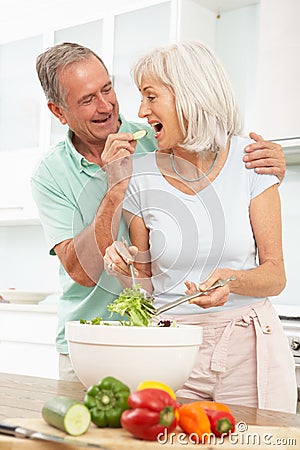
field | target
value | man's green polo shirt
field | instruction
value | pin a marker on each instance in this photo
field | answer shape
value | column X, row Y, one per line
column 68, row 190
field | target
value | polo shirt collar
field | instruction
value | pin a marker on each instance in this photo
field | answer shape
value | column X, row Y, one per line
column 77, row 157
column 124, row 127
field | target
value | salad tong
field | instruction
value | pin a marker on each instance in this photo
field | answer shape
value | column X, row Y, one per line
column 186, row 298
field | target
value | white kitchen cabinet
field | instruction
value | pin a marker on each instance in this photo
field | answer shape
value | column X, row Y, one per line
column 20, row 124
column 260, row 46
column 20, row 94
column 236, row 44
column 127, row 49
column 278, row 93
column 27, row 340
column 134, row 35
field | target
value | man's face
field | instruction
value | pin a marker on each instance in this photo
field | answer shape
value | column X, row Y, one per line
column 91, row 105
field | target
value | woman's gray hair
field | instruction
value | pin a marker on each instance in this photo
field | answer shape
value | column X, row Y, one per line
column 55, row 59
column 204, row 97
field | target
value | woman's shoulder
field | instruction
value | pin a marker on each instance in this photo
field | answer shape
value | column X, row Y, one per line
column 238, row 143
column 236, row 153
column 257, row 182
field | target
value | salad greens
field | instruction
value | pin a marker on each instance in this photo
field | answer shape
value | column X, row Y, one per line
column 134, row 304
column 95, row 321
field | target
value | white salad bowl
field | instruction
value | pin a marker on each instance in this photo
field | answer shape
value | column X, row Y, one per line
column 133, row 354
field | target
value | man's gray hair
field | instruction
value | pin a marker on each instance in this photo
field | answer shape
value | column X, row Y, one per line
column 53, row 60
column 204, row 97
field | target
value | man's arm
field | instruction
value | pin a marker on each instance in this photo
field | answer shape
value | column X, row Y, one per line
column 82, row 256
column 265, row 157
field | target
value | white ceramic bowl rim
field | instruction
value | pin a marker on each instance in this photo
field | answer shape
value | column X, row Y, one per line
column 116, row 334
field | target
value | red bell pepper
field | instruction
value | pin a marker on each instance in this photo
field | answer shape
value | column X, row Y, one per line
column 221, row 422
column 152, row 411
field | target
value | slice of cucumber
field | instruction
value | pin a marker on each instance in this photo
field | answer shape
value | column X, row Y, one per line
column 67, row 414
column 139, row 134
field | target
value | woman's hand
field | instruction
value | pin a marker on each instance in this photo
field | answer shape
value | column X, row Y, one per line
column 216, row 297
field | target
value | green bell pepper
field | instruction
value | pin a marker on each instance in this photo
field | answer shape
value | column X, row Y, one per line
column 106, row 402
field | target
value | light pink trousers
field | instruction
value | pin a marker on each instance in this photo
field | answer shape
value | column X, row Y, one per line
column 245, row 359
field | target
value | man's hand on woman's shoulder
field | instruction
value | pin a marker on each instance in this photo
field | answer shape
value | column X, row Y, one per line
column 265, row 157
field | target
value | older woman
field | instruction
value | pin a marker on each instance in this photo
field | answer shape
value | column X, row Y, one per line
column 196, row 213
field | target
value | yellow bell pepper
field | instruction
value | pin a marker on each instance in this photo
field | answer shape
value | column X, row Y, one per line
column 148, row 384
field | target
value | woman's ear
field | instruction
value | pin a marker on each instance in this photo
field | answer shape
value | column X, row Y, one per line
column 58, row 112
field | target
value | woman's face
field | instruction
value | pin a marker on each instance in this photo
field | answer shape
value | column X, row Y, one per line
column 158, row 107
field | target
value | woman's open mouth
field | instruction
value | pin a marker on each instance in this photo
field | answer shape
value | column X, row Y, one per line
column 157, row 126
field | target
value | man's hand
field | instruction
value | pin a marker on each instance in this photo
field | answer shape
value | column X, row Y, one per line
column 265, row 157
column 117, row 158
column 118, row 256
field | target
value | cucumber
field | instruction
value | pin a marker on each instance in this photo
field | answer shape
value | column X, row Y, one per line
column 67, row 414
column 139, row 134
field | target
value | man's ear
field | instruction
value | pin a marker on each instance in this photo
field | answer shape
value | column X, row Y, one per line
column 57, row 111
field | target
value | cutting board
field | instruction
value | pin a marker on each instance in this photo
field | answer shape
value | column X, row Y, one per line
column 255, row 437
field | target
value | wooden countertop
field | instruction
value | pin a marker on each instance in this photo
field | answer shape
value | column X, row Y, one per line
column 23, row 396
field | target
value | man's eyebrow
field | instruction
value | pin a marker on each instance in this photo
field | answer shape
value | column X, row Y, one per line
column 85, row 97
column 109, row 83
